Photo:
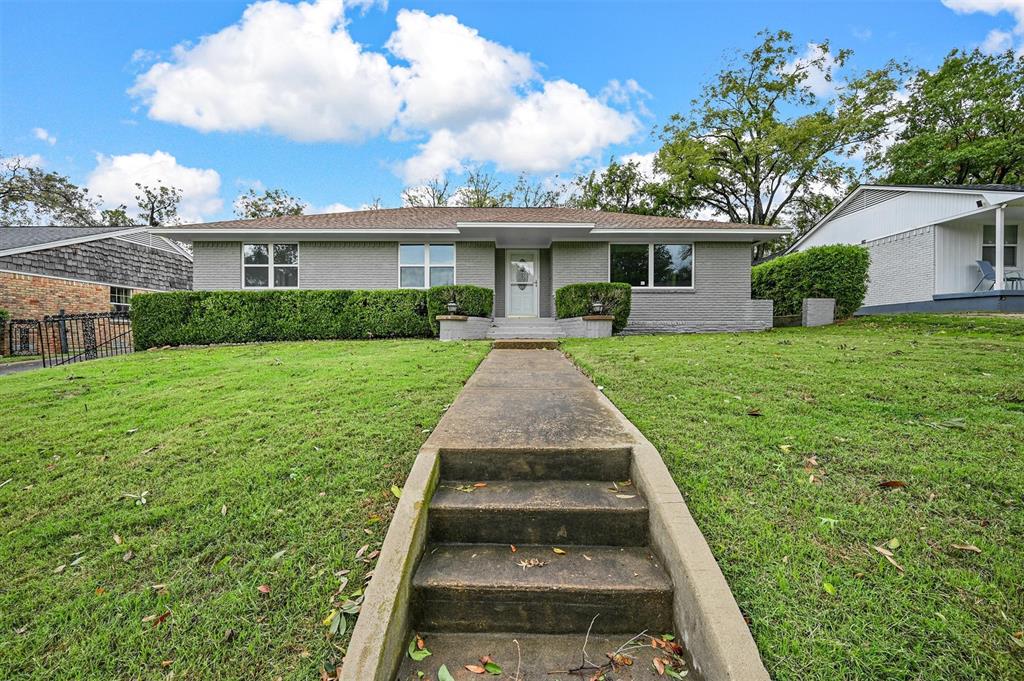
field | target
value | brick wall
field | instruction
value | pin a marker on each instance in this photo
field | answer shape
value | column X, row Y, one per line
column 902, row 268
column 26, row 296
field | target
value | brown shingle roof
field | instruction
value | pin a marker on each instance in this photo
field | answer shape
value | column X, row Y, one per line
column 447, row 218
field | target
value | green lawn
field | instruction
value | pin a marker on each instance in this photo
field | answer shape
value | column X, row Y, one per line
column 260, row 465
column 936, row 403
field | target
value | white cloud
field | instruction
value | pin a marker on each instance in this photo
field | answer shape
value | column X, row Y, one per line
column 290, row 69
column 997, row 40
column 454, row 75
column 43, row 135
column 114, row 179
column 816, row 75
column 295, row 70
column 330, row 208
column 544, row 132
column 645, row 162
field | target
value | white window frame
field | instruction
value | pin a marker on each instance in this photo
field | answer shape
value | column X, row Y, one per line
column 650, row 264
column 270, row 264
column 1006, row 245
column 427, row 265
column 115, row 306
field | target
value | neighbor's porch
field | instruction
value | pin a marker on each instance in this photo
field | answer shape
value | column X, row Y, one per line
column 978, row 256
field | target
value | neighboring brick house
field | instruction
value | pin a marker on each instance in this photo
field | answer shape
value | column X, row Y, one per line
column 44, row 270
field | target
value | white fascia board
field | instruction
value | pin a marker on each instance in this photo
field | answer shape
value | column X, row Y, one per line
column 74, row 240
column 293, row 234
column 528, row 225
column 710, row 234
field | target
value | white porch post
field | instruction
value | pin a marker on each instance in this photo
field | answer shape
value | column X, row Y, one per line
column 1000, row 248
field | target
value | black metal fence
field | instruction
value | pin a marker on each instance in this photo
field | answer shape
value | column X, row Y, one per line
column 70, row 338
column 23, row 337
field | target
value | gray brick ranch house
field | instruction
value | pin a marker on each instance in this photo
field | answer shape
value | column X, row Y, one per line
column 687, row 275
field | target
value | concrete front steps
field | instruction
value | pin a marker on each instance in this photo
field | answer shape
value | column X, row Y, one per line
column 472, row 594
column 522, row 328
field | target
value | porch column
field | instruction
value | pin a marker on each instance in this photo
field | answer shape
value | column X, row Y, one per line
column 1000, row 249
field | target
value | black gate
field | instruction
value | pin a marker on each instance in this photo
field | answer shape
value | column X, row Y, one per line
column 23, row 337
column 70, row 338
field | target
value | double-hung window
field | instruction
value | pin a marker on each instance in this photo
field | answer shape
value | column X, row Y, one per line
column 652, row 265
column 270, row 265
column 425, row 265
column 120, row 300
column 988, row 245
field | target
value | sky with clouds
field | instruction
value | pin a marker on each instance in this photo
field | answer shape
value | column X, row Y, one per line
column 344, row 101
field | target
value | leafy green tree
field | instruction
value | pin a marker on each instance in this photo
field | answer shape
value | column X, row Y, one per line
column 773, row 129
column 271, row 203
column 31, row 195
column 623, row 188
column 483, row 190
column 157, row 205
column 961, row 124
column 531, row 194
column 116, row 217
column 433, row 194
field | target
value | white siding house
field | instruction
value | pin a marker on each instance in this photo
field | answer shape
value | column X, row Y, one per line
column 933, row 248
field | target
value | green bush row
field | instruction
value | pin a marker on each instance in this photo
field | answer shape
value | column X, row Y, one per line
column 209, row 317
column 839, row 272
column 576, row 300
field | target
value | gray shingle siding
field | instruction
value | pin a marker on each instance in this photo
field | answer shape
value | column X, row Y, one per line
column 107, row 261
column 218, row 265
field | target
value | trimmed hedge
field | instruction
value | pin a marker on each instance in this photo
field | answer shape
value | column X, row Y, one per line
column 839, row 272
column 4, row 316
column 473, row 301
column 574, row 301
column 210, row 317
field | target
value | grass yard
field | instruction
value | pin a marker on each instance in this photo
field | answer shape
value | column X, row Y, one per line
column 260, row 465
column 779, row 442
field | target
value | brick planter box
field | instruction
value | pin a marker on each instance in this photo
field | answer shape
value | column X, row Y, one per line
column 589, row 326
column 463, row 327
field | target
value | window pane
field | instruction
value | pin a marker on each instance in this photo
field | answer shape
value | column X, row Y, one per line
column 412, row 277
column 988, row 254
column 988, row 234
column 673, row 265
column 255, row 254
column 442, row 276
column 629, row 264
column 442, row 254
column 286, row 277
column 257, row 276
column 1011, row 234
column 286, row 254
column 411, row 254
column 1010, row 256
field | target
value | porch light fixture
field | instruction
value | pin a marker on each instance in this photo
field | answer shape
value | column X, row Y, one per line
column 453, row 307
column 596, row 306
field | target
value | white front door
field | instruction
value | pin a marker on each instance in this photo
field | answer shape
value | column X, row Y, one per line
column 523, row 284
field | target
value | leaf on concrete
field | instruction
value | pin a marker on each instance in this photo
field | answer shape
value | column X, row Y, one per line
column 417, row 649
column 492, row 667
column 560, row 552
column 475, row 668
column 444, row 675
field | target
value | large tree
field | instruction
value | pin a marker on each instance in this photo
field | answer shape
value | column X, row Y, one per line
column 773, row 130
column 271, row 203
column 622, row 188
column 961, row 124
column 30, row 195
column 158, row 206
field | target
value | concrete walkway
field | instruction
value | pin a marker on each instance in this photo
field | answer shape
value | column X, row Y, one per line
column 531, row 455
column 534, row 399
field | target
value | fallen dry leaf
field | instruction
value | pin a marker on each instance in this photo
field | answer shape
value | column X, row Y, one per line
column 659, row 666
column 887, row 554
column 513, row 547
column 59, row 569
column 117, row 539
column 892, row 484
column 559, row 551
column 263, row 589
column 966, row 547
column 224, row 509
column 476, row 669
column 478, row 485
column 128, row 556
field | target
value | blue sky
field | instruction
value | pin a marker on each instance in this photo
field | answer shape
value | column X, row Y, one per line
column 339, row 111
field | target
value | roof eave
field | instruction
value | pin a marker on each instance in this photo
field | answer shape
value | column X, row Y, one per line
column 97, row 236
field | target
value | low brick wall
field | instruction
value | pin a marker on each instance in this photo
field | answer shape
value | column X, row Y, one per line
column 591, row 326
column 818, row 311
column 461, row 327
